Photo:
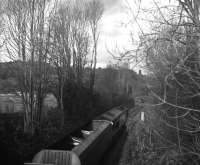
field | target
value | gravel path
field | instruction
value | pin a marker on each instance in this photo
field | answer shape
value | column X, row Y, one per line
column 129, row 146
column 145, row 144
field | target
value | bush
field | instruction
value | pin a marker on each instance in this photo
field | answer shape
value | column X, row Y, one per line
column 76, row 99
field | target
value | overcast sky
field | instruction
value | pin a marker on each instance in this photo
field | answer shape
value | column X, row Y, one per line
column 112, row 32
column 116, row 27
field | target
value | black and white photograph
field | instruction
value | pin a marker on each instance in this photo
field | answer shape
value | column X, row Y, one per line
column 99, row 82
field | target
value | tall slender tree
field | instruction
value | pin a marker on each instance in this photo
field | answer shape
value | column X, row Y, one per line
column 28, row 44
column 95, row 11
column 70, row 46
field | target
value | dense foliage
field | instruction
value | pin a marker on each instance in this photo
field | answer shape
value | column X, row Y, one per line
column 80, row 106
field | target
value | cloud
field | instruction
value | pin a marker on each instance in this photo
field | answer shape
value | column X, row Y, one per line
column 112, row 6
column 113, row 33
column 109, row 3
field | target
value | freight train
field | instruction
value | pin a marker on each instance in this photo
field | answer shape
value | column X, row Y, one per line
column 87, row 145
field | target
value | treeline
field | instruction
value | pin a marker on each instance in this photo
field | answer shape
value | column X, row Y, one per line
column 80, row 105
column 41, row 35
column 110, row 82
column 113, row 87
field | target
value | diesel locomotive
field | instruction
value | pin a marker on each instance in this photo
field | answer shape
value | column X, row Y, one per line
column 87, row 145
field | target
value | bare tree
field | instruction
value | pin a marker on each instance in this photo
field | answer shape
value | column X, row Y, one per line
column 70, row 45
column 60, row 50
column 28, row 41
column 2, row 6
column 170, row 53
column 94, row 12
column 80, row 41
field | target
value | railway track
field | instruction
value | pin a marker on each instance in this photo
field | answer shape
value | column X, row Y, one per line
column 89, row 143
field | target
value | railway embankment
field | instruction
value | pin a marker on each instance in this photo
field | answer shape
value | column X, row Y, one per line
column 134, row 150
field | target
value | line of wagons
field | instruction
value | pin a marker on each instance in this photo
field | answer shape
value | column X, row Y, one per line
column 87, row 145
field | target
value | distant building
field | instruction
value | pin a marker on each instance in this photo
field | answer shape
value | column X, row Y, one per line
column 126, row 81
column 12, row 103
column 119, row 65
column 124, row 65
column 140, row 72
